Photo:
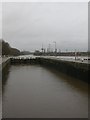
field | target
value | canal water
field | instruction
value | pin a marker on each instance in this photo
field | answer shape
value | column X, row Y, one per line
column 0, row 92
column 33, row 91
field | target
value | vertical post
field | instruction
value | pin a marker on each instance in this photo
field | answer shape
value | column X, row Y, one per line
column 55, row 47
column 75, row 54
column 49, row 47
column 42, row 48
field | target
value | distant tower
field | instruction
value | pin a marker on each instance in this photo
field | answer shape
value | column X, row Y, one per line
column 42, row 48
column 55, row 46
column 75, row 54
column 49, row 47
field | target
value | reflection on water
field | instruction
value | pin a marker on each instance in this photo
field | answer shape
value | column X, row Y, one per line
column 38, row 92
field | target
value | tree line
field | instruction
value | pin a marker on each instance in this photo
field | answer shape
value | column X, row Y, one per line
column 6, row 49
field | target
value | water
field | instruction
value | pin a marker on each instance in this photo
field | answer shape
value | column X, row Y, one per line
column 38, row 92
column 0, row 92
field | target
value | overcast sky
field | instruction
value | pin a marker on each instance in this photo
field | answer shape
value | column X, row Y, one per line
column 29, row 25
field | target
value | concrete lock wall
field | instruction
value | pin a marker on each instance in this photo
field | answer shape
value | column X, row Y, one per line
column 5, row 66
column 74, row 69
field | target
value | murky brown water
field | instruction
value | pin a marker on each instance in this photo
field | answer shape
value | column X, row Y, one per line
column 0, row 92
column 38, row 92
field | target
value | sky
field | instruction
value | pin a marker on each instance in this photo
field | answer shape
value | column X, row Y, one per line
column 28, row 25
column 45, row 0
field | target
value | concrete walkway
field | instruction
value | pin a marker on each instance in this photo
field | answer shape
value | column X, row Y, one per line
column 72, row 59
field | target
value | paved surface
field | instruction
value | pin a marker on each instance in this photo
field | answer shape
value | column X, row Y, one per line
column 72, row 59
column 3, row 59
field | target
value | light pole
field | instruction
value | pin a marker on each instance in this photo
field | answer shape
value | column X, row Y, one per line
column 55, row 45
column 75, row 54
column 42, row 48
column 49, row 47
